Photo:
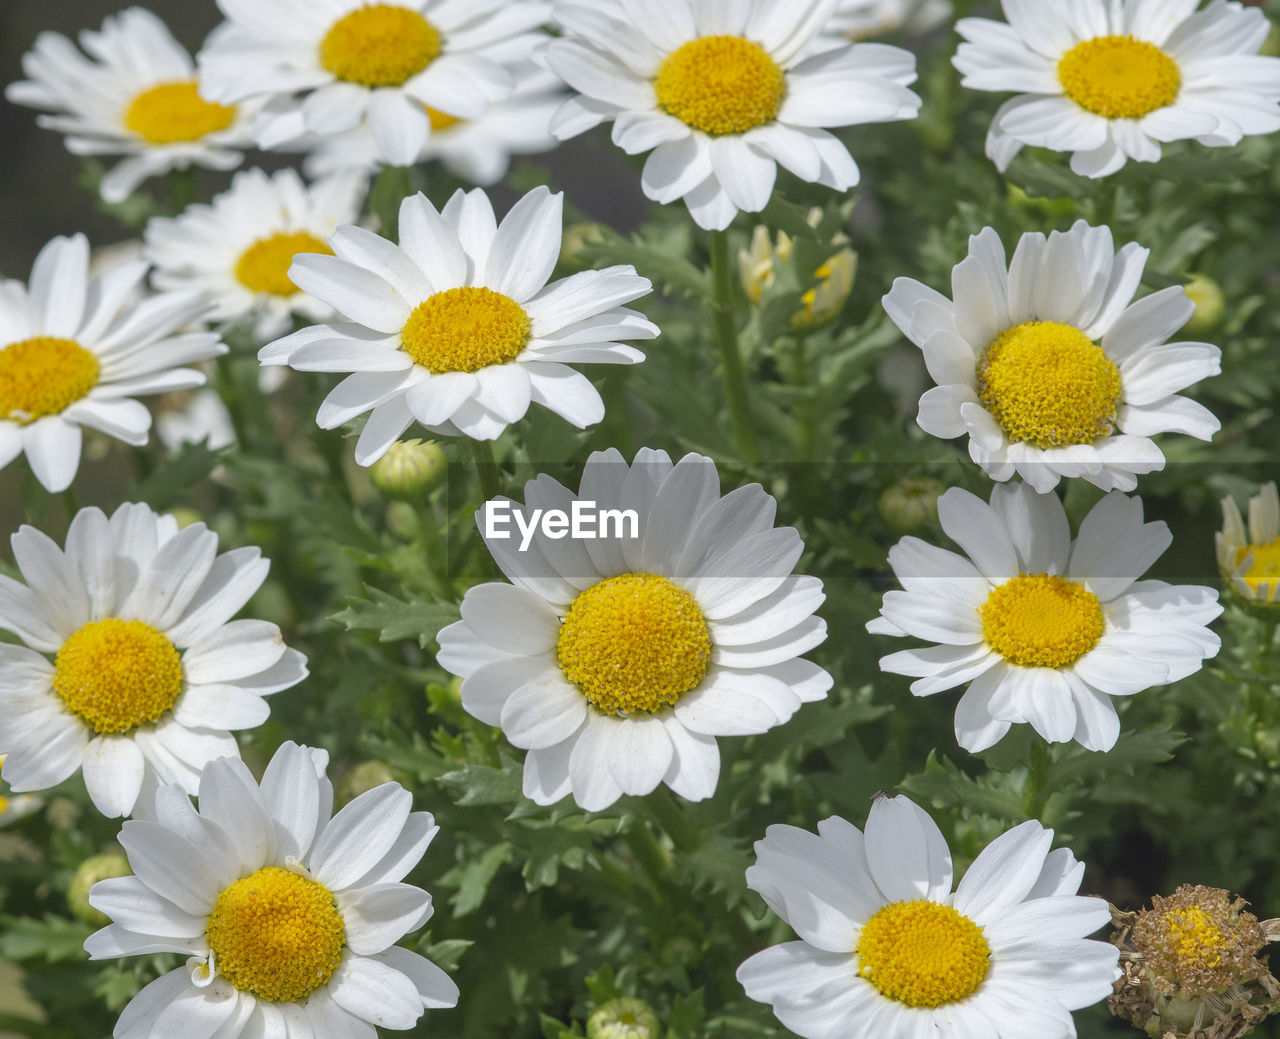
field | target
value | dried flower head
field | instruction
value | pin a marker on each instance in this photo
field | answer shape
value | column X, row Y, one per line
column 1191, row 966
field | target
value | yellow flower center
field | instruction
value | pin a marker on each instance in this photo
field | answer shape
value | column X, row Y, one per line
column 173, row 112
column 441, row 120
column 1118, row 77
column 117, row 674
column 635, row 642
column 1265, row 568
column 380, row 45
column 276, row 934
column 1041, row 620
column 41, row 376
column 720, row 85
column 1193, row 937
column 4, row 804
column 923, row 954
column 464, row 330
column 1049, row 384
column 264, row 266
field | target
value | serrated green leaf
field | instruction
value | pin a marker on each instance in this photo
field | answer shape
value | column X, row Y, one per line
column 176, row 475
column 942, row 783
column 686, row 1017
column 475, row 784
column 472, row 877
column 395, row 619
column 1132, row 749
column 51, row 938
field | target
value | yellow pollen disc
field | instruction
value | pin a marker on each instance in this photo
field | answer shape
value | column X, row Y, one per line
column 1265, row 568
column 720, row 85
column 441, row 120
column 1193, row 937
column 1049, row 384
column 464, row 330
column 1118, row 77
column 41, row 376
column 923, row 954
column 173, row 112
column 276, row 934
column 1041, row 620
column 635, row 642
column 117, row 674
column 380, row 45
column 264, row 266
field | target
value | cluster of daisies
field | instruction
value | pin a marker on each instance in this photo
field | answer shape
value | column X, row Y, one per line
column 616, row 663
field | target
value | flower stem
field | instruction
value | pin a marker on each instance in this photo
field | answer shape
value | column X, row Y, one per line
column 388, row 191
column 735, row 380
column 1037, row 778
column 487, row 468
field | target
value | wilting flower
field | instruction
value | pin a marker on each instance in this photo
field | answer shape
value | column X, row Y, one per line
column 829, row 285
column 1191, row 966
column 139, row 97
column 1045, row 629
column 616, row 660
column 887, row 949
column 1110, row 80
column 75, row 351
column 1046, row 364
column 288, row 917
column 148, row 670
column 724, row 94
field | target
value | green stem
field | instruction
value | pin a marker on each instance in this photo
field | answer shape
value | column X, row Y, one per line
column 1037, row 778
column 735, row 380
column 648, row 852
column 389, row 190
column 671, row 818
column 182, row 188
column 487, row 468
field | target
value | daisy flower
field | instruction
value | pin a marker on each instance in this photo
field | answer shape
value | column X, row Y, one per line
column 1110, row 80
column 1250, row 560
column 138, row 96
column 456, row 326
column 288, row 917
column 131, row 668
column 74, row 352
column 201, row 418
column 888, row 949
column 238, row 249
column 1046, row 364
column 616, row 661
column 723, row 94
column 389, row 63
column 1044, row 629
column 476, row 150
column 860, row 19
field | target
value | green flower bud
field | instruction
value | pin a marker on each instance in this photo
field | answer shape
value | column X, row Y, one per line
column 623, row 1019
column 911, row 503
column 185, row 516
column 409, row 469
column 1206, row 294
column 89, row 872
column 365, row 776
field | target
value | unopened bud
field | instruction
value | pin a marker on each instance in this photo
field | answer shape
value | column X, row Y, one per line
column 623, row 1019
column 409, row 469
column 1206, row 294
column 89, row 872
column 911, row 503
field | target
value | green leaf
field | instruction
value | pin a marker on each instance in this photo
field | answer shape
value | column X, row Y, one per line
column 52, row 938
column 687, row 1015
column 485, row 785
column 176, row 475
column 662, row 262
column 943, row 784
column 1132, row 749
column 473, row 877
column 789, row 217
column 395, row 619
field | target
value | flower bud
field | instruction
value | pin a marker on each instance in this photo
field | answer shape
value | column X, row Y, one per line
column 409, row 469
column 623, row 1019
column 576, row 236
column 1206, row 294
column 89, row 872
column 911, row 503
